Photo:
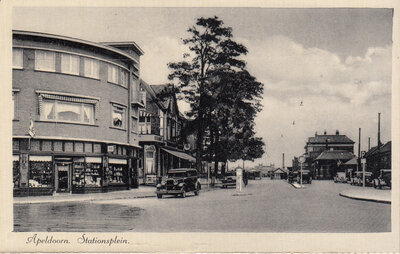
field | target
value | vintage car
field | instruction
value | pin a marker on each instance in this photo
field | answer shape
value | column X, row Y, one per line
column 357, row 178
column 179, row 182
column 384, row 179
column 229, row 179
column 291, row 176
column 340, row 177
column 304, row 176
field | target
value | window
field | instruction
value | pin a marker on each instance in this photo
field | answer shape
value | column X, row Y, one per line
column 70, row 64
column 144, row 123
column 45, row 60
column 64, row 111
column 91, row 69
column 124, row 78
column 118, row 116
column 112, row 74
column 134, row 125
column 143, row 97
column 161, row 123
column 18, row 59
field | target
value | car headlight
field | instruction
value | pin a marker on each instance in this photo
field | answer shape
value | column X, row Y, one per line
column 158, row 186
column 180, row 185
column 163, row 182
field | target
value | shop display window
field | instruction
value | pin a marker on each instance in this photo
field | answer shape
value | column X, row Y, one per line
column 78, row 179
column 93, row 175
column 16, row 174
column 117, row 174
column 40, row 174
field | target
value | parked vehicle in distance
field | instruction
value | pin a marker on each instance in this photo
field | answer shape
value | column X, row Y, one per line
column 179, row 182
column 384, row 179
column 304, row 176
column 229, row 179
column 291, row 177
column 340, row 177
column 357, row 178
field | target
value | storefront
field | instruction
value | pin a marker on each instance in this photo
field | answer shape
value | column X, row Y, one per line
column 35, row 173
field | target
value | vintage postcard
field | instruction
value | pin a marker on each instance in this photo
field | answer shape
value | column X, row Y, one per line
column 177, row 126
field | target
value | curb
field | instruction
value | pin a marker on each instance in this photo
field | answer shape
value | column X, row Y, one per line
column 366, row 199
column 297, row 187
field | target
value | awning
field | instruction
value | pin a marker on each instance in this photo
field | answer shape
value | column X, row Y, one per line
column 181, row 155
column 117, row 161
column 93, row 159
column 39, row 158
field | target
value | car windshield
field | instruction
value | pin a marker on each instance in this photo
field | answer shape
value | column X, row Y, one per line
column 176, row 174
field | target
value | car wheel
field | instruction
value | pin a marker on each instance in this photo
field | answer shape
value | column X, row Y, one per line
column 379, row 185
column 374, row 184
column 196, row 192
column 159, row 195
column 183, row 195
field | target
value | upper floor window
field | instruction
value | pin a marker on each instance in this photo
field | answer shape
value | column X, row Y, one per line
column 161, row 123
column 143, row 97
column 124, row 78
column 91, row 69
column 112, row 74
column 118, row 116
column 144, row 123
column 70, row 64
column 18, row 59
column 65, row 111
column 45, row 60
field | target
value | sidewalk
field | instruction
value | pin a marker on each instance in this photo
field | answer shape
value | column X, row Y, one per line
column 141, row 192
column 368, row 194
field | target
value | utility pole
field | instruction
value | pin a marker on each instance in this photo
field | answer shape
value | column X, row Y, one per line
column 283, row 160
column 379, row 142
column 359, row 149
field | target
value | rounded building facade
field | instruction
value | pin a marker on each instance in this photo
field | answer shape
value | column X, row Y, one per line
column 75, row 114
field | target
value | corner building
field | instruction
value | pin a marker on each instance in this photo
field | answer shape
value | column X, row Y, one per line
column 76, row 107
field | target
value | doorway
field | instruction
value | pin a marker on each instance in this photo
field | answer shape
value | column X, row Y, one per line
column 63, row 177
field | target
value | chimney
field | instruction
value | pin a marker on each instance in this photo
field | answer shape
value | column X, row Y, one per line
column 283, row 160
column 379, row 129
column 337, row 132
column 316, row 133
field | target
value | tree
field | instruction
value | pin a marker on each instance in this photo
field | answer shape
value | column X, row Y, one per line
column 211, row 48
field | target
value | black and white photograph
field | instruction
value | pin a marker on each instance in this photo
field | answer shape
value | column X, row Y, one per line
column 189, row 121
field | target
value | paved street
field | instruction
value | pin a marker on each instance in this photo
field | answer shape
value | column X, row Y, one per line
column 264, row 206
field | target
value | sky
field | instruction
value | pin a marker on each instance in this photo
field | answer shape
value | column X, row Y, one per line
column 336, row 62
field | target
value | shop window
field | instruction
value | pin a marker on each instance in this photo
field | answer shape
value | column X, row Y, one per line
column 91, row 68
column 18, row 58
column 40, row 174
column 66, row 111
column 45, row 60
column 112, row 74
column 70, row 64
column 93, row 175
column 78, row 178
column 118, row 116
column 117, row 174
column 16, row 175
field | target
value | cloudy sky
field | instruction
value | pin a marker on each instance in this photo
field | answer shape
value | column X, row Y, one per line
column 336, row 61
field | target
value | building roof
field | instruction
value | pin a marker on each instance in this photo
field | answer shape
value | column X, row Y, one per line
column 384, row 148
column 75, row 40
column 125, row 44
column 323, row 139
column 335, row 155
column 352, row 161
column 279, row 170
column 161, row 90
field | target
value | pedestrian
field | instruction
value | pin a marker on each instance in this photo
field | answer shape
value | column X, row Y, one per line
column 245, row 178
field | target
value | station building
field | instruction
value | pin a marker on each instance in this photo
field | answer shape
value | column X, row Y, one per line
column 76, row 113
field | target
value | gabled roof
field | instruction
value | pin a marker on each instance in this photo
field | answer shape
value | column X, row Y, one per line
column 384, row 148
column 336, row 155
column 322, row 139
column 160, row 90
column 352, row 161
column 279, row 170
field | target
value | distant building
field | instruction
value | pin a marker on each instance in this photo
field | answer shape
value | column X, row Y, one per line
column 377, row 159
column 323, row 152
column 279, row 173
